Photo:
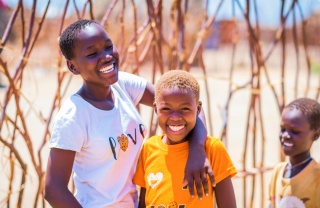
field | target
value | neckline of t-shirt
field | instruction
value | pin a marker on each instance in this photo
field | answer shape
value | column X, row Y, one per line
column 175, row 147
column 115, row 97
column 299, row 175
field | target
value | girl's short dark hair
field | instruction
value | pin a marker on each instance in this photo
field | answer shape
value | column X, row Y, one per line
column 69, row 35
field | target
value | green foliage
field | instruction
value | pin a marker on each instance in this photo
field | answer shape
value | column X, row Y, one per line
column 315, row 67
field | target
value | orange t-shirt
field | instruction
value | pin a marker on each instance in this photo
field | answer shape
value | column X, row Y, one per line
column 161, row 170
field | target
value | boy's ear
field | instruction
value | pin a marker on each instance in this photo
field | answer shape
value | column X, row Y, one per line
column 72, row 68
column 199, row 107
column 155, row 107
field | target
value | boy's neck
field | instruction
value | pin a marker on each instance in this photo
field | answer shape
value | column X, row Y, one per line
column 293, row 170
column 168, row 141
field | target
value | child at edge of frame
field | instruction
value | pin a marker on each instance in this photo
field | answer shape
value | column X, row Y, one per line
column 296, row 182
column 160, row 166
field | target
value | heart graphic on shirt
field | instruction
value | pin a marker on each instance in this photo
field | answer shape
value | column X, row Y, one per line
column 154, row 179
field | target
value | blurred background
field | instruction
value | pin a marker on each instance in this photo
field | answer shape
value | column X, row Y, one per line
column 251, row 58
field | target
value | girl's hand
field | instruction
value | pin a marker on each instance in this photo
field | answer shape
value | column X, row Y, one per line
column 197, row 169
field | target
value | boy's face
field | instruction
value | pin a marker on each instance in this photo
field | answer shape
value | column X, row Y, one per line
column 96, row 59
column 296, row 137
column 177, row 112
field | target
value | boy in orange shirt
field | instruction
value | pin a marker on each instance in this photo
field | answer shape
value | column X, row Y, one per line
column 160, row 168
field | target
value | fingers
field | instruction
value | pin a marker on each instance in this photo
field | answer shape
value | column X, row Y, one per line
column 188, row 181
column 195, row 181
column 200, row 182
column 211, row 176
column 205, row 184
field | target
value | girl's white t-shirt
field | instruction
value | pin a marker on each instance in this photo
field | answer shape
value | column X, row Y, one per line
column 107, row 144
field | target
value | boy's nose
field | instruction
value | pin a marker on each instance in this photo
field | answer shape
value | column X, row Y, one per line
column 175, row 116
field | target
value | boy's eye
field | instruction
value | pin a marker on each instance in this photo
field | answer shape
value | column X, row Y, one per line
column 185, row 109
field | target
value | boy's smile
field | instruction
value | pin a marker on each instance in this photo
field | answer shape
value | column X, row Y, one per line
column 177, row 112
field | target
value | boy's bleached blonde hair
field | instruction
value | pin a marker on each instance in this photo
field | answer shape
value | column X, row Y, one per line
column 180, row 79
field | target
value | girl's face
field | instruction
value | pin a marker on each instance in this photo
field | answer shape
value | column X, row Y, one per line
column 296, row 137
column 96, row 59
column 177, row 113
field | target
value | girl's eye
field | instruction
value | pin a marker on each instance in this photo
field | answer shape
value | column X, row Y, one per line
column 92, row 54
column 109, row 47
column 295, row 132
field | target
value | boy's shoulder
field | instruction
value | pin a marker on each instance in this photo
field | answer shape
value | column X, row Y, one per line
column 152, row 140
column 213, row 141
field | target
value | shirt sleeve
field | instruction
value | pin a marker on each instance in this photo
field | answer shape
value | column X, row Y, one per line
column 134, row 85
column 66, row 132
column 221, row 162
column 138, row 177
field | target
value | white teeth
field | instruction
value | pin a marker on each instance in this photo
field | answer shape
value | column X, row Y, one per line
column 287, row 144
column 107, row 69
column 176, row 128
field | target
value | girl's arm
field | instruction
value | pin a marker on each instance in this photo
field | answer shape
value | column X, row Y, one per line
column 225, row 194
column 198, row 165
column 58, row 173
column 142, row 200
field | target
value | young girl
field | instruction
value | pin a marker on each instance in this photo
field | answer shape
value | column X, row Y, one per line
column 98, row 131
column 160, row 167
column 296, row 183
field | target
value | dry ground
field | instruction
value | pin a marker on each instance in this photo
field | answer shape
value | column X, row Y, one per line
column 40, row 84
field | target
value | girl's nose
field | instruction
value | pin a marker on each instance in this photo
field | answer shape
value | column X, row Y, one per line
column 108, row 57
column 105, row 57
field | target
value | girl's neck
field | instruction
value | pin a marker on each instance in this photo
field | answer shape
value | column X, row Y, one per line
column 96, row 94
column 101, row 99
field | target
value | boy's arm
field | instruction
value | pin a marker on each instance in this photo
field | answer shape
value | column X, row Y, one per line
column 142, row 200
column 198, row 165
column 225, row 194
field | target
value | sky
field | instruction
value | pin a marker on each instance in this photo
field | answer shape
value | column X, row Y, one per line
column 55, row 8
column 268, row 10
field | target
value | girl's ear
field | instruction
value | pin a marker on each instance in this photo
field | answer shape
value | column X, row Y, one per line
column 316, row 136
column 72, row 68
column 199, row 107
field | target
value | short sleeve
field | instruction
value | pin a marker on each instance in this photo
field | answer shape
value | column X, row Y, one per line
column 220, row 160
column 66, row 133
column 134, row 85
column 138, row 178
